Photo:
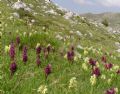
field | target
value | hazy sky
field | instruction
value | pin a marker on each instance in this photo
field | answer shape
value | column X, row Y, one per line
column 94, row 6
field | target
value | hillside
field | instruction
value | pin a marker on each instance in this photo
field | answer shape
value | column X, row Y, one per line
column 47, row 49
column 113, row 19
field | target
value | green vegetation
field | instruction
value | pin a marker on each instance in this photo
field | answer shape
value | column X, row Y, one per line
column 70, row 74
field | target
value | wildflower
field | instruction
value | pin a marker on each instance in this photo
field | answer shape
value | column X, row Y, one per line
column 12, row 51
column 65, row 56
column 25, row 57
column 103, row 77
column 108, row 65
column 0, row 34
column 48, row 70
column 73, row 82
column 109, row 81
column 96, row 71
column 38, row 49
column 7, row 49
column 118, row 72
column 86, row 59
column 38, row 61
column 104, row 59
column 112, row 91
column 93, row 80
column 85, row 52
column 84, row 66
column 18, row 40
column 45, row 53
column 97, row 64
column 42, row 89
column 30, row 34
column 92, row 62
column 116, row 67
column 13, row 68
column 70, row 56
column 24, row 34
column 48, row 48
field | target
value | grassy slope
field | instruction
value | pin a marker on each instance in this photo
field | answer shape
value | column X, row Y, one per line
column 29, row 77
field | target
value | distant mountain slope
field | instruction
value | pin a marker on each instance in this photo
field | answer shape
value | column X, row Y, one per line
column 113, row 18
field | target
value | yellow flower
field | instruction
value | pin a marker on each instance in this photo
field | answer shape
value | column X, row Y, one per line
column 97, row 64
column 42, row 89
column 109, row 81
column 103, row 77
column 86, row 60
column 24, row 33
column 7, row 48
column 65, row 56
column 93, row 80
column 116, row 90
column 115, row 67
column 30, row 34
column 85, row 52
column 0, row 33
column 84, row 66
column 73, row 82
column 38, row 44
column 17, row 31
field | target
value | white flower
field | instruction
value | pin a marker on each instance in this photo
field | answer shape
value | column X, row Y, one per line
column 73, row 82
column 93, row 80
column 42, row 89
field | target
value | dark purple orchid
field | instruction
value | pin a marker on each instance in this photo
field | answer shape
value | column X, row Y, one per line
column 48, row 70
column 49, row 48
column 70, row 55
column 24, row 56
column 118, row 72
column 12, row 51
column 46, row 53
column 108, row 66
column 96, row 71
column 18, row 40
column 92, row 62
column 38, row 50
column 38, row 62
column 110, row 91
column 13, row 68
column 104, row 59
